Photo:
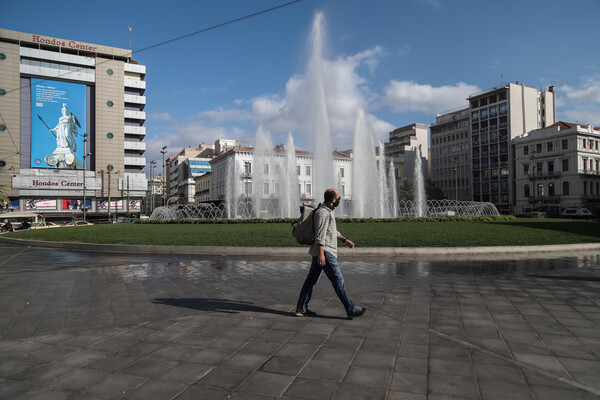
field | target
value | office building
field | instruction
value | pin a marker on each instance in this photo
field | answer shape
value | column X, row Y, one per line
column 72, row 129
column 182, row 168
column 498, row 116
column 451, row 154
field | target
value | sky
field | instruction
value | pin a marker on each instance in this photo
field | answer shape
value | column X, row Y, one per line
column 402, row 61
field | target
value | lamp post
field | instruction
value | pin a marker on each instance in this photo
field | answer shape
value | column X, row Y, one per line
column 533, row 188
column 456, row 177
column 164, row 182
column 152, row 167
column 109, row 168
column 85, row 156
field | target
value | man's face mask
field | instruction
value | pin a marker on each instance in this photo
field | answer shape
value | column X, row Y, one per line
column 337, row 202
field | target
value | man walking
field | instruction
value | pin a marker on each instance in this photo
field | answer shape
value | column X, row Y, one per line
column 324, row 258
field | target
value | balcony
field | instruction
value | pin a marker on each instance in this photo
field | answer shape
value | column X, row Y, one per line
column 135, row 130
column 134, row 145
column 589, row 172
column 134, row 114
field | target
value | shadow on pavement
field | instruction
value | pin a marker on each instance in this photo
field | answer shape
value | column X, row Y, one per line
column 225, row 306
column 569, row 278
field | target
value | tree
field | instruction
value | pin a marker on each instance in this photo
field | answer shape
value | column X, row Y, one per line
column 407, row 189
column 433, row 191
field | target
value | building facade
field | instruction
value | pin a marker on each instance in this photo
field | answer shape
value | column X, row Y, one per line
column 558, row 166
column 72, row 130
column 188, row 164
column 269, row 182
column 451, row 154
column 497, row 117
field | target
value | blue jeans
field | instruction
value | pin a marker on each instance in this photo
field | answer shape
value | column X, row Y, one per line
column 332, row 271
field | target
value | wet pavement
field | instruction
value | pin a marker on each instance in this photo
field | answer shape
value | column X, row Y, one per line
column 82, row 325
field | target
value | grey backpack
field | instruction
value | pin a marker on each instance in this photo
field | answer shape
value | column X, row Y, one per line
column 304, row 229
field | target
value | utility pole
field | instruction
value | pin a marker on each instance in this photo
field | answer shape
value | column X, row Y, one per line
column 85, row 156
column 164, row 182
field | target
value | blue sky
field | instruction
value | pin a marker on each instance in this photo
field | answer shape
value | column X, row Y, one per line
column 402, row 61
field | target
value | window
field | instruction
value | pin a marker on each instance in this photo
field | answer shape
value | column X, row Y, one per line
column 266, row 169
column 565, row 165
column 343, row 190
column 266, row 189
column 248, row 188
column 525, row 169
column 341, row 172
column 540, row 190
column 247, row 168
column 551, row 189
column 308, row 170
column 565, row 189
column 538, row 148
column 565, row 144
column 298, row 170
column 549, row 146
column 525, row 150
column 308, row 189
column 550, row 166
column 539, row 168
column 584, row 143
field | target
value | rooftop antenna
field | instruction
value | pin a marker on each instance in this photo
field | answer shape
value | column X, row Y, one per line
column 130, row 33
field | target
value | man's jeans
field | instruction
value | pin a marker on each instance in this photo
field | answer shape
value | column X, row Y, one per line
column 332, row 270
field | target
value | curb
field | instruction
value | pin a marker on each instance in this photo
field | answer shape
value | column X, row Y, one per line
column 303, row 251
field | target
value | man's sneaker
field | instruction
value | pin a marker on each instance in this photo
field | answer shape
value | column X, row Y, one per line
column 305, row 313
column 357, row 313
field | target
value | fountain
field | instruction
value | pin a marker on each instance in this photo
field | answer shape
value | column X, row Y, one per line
column 274, row 178
column 419, row 185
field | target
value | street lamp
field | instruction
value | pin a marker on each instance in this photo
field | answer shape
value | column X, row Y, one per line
column 109, row 169
column 456, row 177
column 85, row 156
column 152, row 167
column 164, row 182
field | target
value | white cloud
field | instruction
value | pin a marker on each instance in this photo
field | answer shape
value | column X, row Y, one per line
column 224, row 115
column 192, row 132
column 580, row 104
column 159, row 116
column 345, row 91
column 433, row 4
column 589, row 91
column 402, row 96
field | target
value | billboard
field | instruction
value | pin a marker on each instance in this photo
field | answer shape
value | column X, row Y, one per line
column 76, row 204
column 40, row 204
column 118, row 205
column 58, row 122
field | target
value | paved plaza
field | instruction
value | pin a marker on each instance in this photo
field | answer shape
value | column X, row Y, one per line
column 83, row 325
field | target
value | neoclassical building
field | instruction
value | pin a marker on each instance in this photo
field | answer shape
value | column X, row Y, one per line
column 558, row 166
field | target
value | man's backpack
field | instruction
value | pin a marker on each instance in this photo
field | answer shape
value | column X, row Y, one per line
column 304, row 229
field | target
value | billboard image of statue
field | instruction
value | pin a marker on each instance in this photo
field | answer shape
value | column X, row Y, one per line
column 58, row 121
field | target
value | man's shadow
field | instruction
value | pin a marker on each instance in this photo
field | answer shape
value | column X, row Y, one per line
column 225, row 306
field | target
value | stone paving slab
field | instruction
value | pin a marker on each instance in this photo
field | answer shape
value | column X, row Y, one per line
column 95, row 326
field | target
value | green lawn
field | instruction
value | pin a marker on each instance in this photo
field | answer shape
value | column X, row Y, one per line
column 389, row 234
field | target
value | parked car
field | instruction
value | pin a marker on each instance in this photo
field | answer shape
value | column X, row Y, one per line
column 576, row 212
column 78, row 223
